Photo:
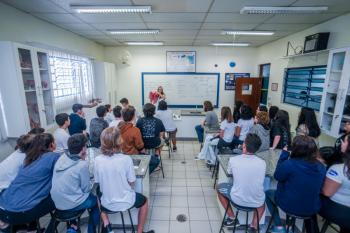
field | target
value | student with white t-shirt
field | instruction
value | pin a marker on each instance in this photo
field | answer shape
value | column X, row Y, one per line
column 61, row 135
column 117, row 113
column 115, row 174
column 166, row 116
column 224, row 138
column 244, row 124
column 247, row 189
column 336, row 205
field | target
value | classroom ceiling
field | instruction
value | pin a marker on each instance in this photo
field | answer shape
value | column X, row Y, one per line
column 181, row 22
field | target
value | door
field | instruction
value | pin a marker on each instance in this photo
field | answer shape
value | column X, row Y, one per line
column 248, row 90
column 264, row 73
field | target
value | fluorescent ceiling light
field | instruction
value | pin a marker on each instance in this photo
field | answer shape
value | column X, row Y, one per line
column 110, row 9
column 230, row 44
column 144, row 43
column 248, row 33
column 282, row 10
column 133, row 32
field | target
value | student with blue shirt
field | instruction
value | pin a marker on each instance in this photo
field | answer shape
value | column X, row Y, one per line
column 77, row 120
column 28, row 196
column 300, row 178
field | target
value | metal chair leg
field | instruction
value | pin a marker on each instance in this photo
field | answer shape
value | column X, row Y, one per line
column 132, row 224
column 122, row 216
column 270, row 222
column 223, row 220
column 161, row 165
column 325, row 226
column 234, row 222
column 246, row 221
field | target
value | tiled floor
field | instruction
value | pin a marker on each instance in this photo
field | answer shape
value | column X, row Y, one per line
column 186, row 189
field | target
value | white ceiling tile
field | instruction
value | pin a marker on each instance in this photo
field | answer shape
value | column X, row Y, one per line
column 302, row 18
column 174, row 17
column 176, row 5
column 170, row 26
column 235, row 18
column 283, row 26
column 88, row 32
column 169, row 37
column 105, row 26
column 231, row 26
column 210, row 32
column 38, row 6
column 57, row 18
column 178, row 32
column 75, row 26
column 109, row 18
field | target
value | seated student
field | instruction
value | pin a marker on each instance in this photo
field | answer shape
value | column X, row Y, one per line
column 307, row 124
column 10, row 166
column 117, row 113
column 97, row 125
column 152, row 129
column 261, row 128
column 77, row 120
column 115, row 174
column 71, row 189
column 61, row 136
column 272, row 114
column 28, row 196
column 109, row 116
column 125, row 103
column 247, row 190
column 261, row 108
column 244, row 124
column 280, row 131
column 300, row 178
column 237, row 111
column 224, row 138
column 337, row 158
column 210, row 121
column 166, row 116
column 335, row 205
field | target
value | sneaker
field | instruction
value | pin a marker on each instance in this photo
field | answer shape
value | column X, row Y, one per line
column 229, row 222
column 150, row 231
column 174, row 149
column 252, row 230
column 196, row 158
column 107, row 229
column 71, row 230
column 278, row 229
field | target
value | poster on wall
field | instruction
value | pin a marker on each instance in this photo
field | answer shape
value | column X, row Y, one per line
column 230, row 80
column 181, row 61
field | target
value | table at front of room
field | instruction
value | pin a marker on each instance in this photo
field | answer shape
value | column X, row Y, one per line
column 141, row 164
column 225, row 177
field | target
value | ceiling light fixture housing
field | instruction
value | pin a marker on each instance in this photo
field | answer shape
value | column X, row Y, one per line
column 248, row 33
column 133, row 32
column 283, row 10
column 110, row 9
column 238, row 44
column 144, row 43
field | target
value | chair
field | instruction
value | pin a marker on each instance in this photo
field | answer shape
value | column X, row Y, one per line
column 152, row 151
column 38, row 227
column 290, row 220
column 327, row 224
column 167, row 141
column 106, row 211
column 65, row 216
column 239, row 208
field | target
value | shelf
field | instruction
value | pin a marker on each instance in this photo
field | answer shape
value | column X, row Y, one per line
column 306, row 54
column 31, row 90
column 26, row 69
column 46, row 89
column 43, row 69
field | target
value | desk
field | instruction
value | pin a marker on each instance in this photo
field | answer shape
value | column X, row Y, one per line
column 141, row 164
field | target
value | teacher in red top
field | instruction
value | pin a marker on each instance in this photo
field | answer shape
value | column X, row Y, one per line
column 156, row 96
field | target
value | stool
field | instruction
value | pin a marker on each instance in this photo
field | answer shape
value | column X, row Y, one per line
column 167, row 141
column 106, row 211
column 152, row 151
column 240, row 208
column 65, row 216
column 290, row 218
column 38, row 227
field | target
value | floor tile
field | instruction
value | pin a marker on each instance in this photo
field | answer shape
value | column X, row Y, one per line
column 179, row 191
column 215, row 226
column 160, row 213
column 163, row 190
column 195, row 191
column 193, row 182
column 179, row 227
column 214, row 214
column 179, row 182
column 159, row 226
column 198, row 214
column 175, row 211
column 179, row 201
column 194, row 201
column 200, row 227
column 162, row 201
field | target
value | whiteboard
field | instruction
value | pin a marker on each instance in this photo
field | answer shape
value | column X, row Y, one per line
column 183, row 90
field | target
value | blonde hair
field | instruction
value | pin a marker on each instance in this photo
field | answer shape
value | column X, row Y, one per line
column 263, row 118
column 110, row 141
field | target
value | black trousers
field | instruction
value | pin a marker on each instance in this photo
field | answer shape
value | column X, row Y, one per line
column 40, row 210
column 336, row 213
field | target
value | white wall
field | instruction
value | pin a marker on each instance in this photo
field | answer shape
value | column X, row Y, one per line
column 18, row 26
column 153, row 59
column 272, row 53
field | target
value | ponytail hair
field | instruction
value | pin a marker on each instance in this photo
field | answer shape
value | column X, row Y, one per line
column 40, row 145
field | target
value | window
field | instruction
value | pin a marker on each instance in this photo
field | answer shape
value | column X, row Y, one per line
column 72, row 79
column 264, row 73
column 304, row 86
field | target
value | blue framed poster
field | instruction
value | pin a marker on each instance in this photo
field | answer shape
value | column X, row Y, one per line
column 230, row 80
